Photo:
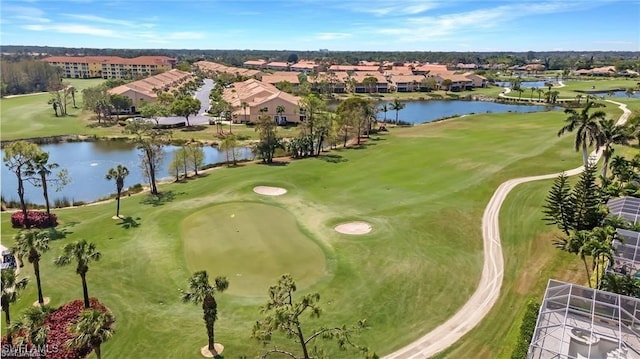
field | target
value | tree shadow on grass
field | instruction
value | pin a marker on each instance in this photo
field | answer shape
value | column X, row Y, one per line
column 193, row 128
column 56, row 234
column 160, row 199
column 333, row 158
column 276, row 164
column 128, row 222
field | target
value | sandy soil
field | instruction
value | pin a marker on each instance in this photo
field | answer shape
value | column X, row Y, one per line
column 354, row 228
column 219, row 348
column 269, row 191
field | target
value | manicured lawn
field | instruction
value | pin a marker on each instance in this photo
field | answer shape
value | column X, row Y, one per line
column 236, row 235
column 30, row 116
column 423, row 189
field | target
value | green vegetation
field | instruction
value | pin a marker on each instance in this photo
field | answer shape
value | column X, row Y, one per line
column 424, row 227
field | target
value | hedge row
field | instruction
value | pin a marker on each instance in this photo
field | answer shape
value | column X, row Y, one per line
column 36, row 219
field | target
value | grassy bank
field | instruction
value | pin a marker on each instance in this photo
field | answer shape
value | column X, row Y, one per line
column 423, row 188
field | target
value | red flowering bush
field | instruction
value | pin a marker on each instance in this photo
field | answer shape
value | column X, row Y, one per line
column 59, row 322
column 36, row 219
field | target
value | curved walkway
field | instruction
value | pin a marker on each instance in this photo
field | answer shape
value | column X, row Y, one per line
column 488, row 291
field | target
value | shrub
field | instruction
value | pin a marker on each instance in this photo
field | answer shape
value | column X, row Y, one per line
column 36, row 219
column 527, row 328
column 59, row 323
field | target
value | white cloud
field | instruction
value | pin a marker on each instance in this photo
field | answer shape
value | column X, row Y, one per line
column 24, row 13
column 391, row 7
column 74, row 29
column 331, row 35
column 103, row 20
column 437, row 27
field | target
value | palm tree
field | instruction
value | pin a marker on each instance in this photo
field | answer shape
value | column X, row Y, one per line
column 611, row 134
column 396, row 105
column 245, row 105
column 540, row 92
column 11, row 287
column 30, row 244
column 82, row 252
column 200, row 291
column 93, row 328
column 533, row 89
column 118, row 174
column 587, row 128
column 384, row 108
column 577, row 243
column 39, row 170
column 32, row 321
column 601, row 251
column 279, row 111
column 578, row 98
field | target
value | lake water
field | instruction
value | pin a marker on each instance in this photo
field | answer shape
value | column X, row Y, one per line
column 88, row 163
column 622, row 94
column 527, row 84
column 427, row 111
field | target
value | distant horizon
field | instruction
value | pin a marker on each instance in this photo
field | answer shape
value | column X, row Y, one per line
column 320, row 50
column 336, row 25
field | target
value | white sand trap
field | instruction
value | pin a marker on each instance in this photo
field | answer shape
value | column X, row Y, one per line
column 354, row 228
column 219, row 348
column 269, row 191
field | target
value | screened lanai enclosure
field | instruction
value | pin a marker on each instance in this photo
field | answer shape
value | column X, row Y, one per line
column 577, row 322
column 625, row 207
column 626, row 253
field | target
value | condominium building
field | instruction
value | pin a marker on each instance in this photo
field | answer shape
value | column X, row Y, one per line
column 110, row 67
column 147, row 89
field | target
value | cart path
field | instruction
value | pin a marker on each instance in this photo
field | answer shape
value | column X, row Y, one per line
column 488, row 291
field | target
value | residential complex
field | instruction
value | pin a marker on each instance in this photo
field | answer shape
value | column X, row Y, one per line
column 146, row 90
column 252, row 99
column 110, row 67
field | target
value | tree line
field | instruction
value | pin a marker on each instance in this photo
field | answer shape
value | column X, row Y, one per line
column 580, row 211
column 26, row 76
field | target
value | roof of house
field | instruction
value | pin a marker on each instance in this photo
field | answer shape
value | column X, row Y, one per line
column 359, row 76
column 255, row 62
column 431, row 68
column 353, row 68
column 278, row 64
column 274, row 78
column 305, row 66
column 148, row 86
column 407, row 78
column 399, row 70
column 216, row 67
column 140, row 60
column 254, row 93
column 453, row 76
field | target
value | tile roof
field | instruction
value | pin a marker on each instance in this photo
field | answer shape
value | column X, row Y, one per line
column 147, row 86
column 140, row 60
column 254, row 93
column 274, row 78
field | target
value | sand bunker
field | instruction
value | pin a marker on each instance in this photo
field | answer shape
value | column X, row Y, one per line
column 354, row 228
column 269, row 191
column 219, row 348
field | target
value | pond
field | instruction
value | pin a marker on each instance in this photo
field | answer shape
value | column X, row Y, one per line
column 88, row 163
column 618, row 93
column 427, row 111
column 527, row 84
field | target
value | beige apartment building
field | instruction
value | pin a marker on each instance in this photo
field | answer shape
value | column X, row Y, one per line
column 146, row 90
column 110, row 67
column 252, row 99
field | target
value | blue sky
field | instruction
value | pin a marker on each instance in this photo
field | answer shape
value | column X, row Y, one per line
column 381, row 25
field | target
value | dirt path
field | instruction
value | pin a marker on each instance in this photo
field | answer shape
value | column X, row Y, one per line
column 488, row 291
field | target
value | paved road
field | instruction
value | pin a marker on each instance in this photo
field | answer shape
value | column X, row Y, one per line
column 488, row 291
column 202, row 94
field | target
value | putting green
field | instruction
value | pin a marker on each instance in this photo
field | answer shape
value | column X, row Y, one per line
column 252, row 244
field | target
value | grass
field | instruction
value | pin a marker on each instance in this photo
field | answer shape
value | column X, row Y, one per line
column 423, row 188
column 264, row 255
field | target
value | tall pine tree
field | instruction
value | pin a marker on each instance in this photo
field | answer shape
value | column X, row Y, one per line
column 586, row 198
column 559, row 209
